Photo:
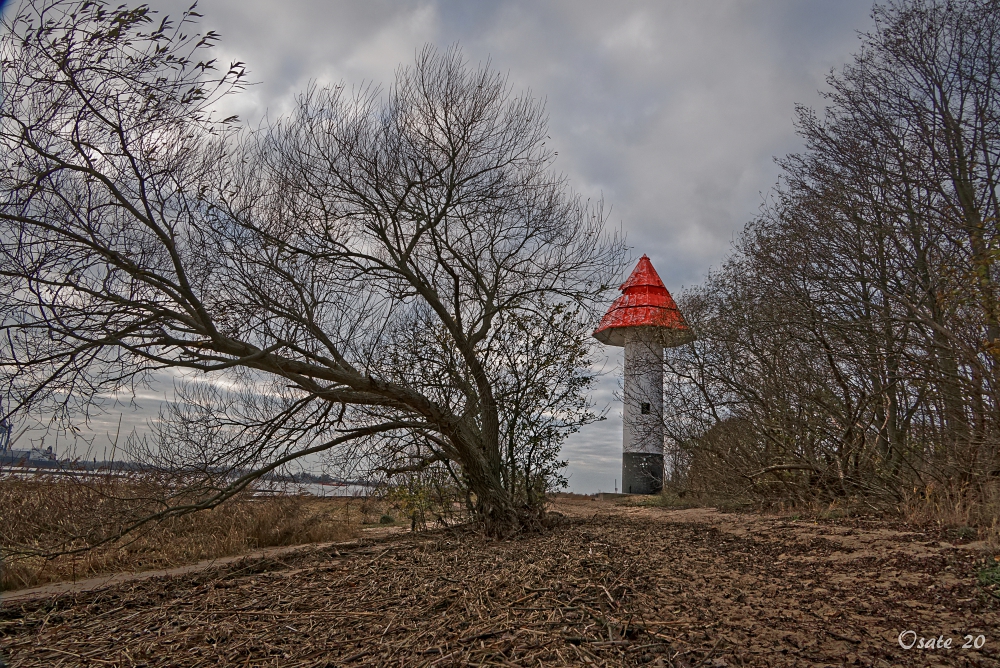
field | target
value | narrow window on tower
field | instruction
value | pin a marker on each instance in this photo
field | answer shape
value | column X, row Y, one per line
column 645, row 408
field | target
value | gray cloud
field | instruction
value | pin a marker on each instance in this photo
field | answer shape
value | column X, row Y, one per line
column 673, row 111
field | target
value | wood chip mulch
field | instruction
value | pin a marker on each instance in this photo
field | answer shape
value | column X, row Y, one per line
column 608, row 590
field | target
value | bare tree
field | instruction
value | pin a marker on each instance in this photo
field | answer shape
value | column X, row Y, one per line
column 374, row 276
column 849, row 342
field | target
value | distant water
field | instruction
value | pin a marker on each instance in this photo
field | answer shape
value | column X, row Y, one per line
column 314, row 488
column 262, row 487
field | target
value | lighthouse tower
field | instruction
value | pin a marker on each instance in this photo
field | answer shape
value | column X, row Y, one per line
column 644, row 320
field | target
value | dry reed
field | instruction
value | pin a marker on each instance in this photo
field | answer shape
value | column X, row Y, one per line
column 44, row 515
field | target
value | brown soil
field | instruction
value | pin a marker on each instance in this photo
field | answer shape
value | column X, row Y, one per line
column 610, row 585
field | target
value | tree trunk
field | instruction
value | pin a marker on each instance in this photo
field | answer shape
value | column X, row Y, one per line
column 494, row 507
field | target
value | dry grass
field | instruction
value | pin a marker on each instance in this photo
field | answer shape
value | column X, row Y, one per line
column 39, row 513
column 967, row 512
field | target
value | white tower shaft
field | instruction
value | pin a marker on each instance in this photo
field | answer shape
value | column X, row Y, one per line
column 642, row 457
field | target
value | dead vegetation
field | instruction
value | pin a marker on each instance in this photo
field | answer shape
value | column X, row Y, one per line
column 44, row 515
column 973, row 513
column 610, row 585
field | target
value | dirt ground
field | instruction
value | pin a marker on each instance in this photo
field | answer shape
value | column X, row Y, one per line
column 611, row 585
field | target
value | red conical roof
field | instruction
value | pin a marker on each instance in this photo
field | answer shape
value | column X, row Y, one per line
column 645, row 302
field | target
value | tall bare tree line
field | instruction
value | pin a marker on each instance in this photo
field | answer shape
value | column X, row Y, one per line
column 850, row 344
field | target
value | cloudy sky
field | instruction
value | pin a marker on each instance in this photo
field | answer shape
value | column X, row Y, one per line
column 671, row 110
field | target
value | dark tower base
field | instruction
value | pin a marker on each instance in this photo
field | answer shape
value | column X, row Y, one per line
column 642, row 473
